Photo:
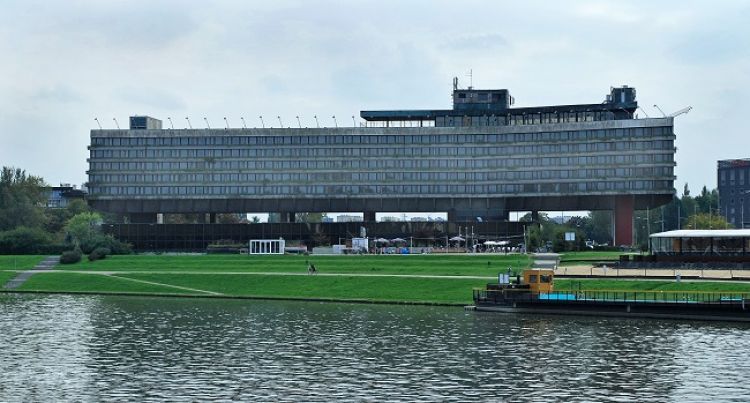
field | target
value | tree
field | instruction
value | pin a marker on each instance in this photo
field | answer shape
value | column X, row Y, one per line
column 21, row 199
column 707, row 201
column 83, row 227
column 707, row 221
column 56, row 218
column 84, row 231
column 309, row 217
column 321, row 239
column 255, row 219
column 599, row 227
column 22, row 240
column 228, row 218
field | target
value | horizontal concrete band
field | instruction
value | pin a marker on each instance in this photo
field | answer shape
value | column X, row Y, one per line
column 530, row 128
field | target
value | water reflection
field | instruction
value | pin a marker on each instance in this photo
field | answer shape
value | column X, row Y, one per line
column 151, row 349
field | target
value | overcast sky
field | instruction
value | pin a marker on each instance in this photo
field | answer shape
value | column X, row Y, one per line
column 65, row 63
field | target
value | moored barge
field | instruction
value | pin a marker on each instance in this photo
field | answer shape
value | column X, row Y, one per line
column 536, row 294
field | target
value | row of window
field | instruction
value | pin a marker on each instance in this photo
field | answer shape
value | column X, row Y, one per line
column 383, row 163
column 311, row 152
column 734, row 176
column 404, row 189
column 176, row 138
column 524, row 118
column 349, row 177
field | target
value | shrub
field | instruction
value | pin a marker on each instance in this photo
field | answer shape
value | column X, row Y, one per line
column 70, row 256
column 95, row 241
column 23, row 240
column 99, row 253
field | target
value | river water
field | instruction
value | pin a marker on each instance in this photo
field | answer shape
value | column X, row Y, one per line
column 97, row 348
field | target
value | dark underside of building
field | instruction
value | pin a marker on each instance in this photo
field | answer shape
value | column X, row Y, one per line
column 197, row 237
column 477, row 162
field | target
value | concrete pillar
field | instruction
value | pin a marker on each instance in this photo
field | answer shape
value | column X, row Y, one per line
column 535, row 216
column 369, row 216
column 622, row 225
column 452, row 216
column 287, row 216
column 159, row 218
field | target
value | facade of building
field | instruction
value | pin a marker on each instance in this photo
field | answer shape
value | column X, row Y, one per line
column 478, row 162
column 733, row 177
column 60, row 196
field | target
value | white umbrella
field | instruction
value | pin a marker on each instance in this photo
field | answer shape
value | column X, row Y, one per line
column 382, row 240
column 490, row 243
column 503, row 243
column 396, row 240
column 457, row 239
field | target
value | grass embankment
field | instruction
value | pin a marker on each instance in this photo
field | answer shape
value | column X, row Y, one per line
column 437, row 265
column 19, row 262
column 231, row 275
column 5, row 276
column 94, row 282
column 382, row 289
column 362, row 278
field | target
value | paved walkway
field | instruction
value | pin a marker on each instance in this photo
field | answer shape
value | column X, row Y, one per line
column 165, row 285
column 44, row 266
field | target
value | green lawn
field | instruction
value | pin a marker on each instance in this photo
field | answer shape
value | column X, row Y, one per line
column 204, row 272
column 385, row 289
column 74, row 282
column 433, row 290
column 467, row 265
column 5, row 276
column 19, row 262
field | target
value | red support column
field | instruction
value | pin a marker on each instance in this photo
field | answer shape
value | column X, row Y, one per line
column 623, row 222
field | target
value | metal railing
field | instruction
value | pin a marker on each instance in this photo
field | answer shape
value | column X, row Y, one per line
column 510, row 296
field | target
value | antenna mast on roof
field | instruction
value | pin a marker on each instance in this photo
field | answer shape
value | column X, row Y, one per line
column 471, row 78
column 455, row 83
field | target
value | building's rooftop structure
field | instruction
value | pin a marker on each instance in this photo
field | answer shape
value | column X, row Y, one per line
column 496, row 107
column 734, row 163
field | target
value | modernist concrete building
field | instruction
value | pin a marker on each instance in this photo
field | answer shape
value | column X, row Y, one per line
column 478, row 161
column 733, row 177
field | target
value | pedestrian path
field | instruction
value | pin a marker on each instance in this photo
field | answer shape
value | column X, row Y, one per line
column 45, row 265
